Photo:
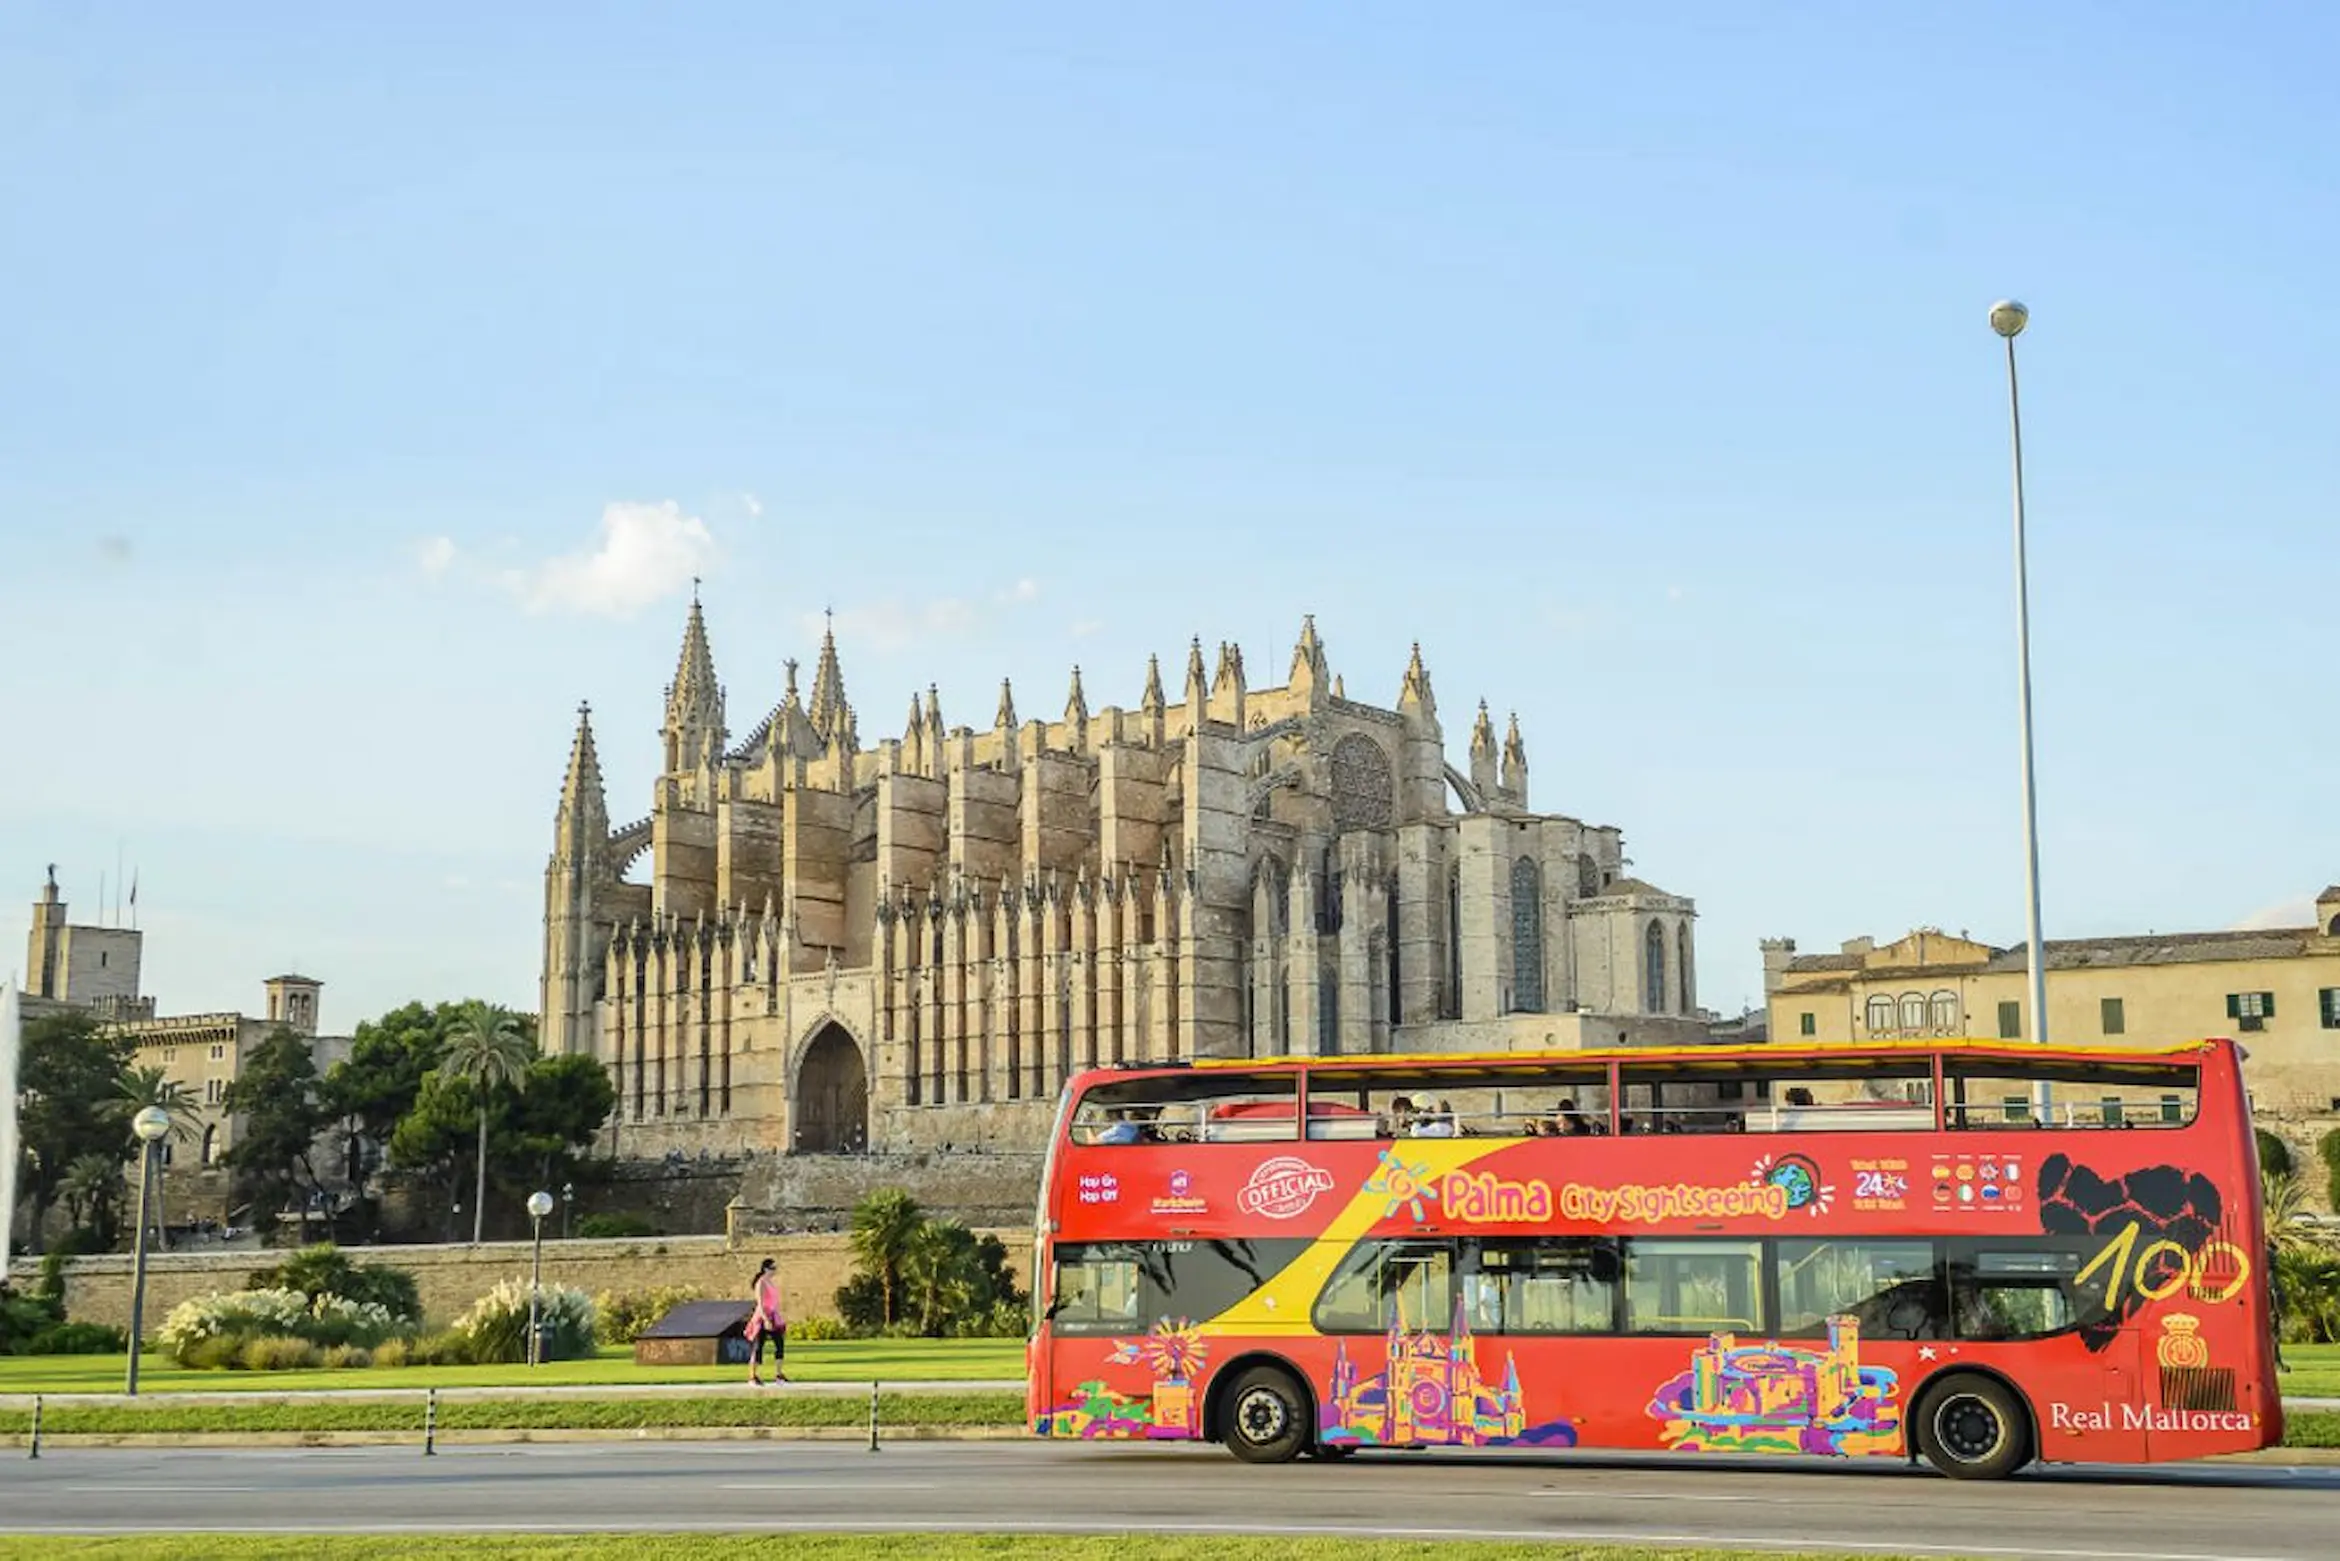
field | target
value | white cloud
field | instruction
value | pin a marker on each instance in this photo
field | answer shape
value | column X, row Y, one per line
column 754, row 505
column 1086, row 627
column 1024, row 590
column 436, row 556
column 2291, row 913
column 645, row 553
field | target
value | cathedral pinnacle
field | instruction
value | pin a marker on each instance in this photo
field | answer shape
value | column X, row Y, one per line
column 1151, row 701
column 917, row 718
column 934, row 720
column 694, row 703
column 1514, row 751
column 828, row 692
column 1076, row 703
column 1196, row 688
column 1005, row 720
column 584, row 810
column 1415, row 695
column 1482, row 734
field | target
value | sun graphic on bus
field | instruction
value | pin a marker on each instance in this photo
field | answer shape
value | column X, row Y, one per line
column 1403, row 1186
column 1174, row 1350
column 1798, row 1176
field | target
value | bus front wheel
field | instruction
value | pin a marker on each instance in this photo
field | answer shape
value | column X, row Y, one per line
column 1266, row 1417
column 1974, row 1428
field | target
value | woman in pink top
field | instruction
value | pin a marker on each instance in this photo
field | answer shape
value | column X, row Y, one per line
column 768, row 1323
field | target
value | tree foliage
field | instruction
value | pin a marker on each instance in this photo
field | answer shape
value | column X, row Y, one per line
column 536, row 1132
column 278, row 1096
column 70, row 1104
column 915, row 1274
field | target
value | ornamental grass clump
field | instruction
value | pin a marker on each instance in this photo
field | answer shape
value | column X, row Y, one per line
column 272, row 1330
column 495, row 1330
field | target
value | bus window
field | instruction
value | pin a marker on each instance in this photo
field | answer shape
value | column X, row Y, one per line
column 1856, row 1093
column 2017, row 1288
column 1187, row 1108
column 1386, row 1284
column 2114, row 1092
column 1693, row 1286
column 1096, row 1289
column 1549, row 1284
column 1891, row 1289
column 1450, row 1100
column 1197, row 1280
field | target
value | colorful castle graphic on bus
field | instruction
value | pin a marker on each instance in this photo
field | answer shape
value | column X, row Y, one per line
column 1429, row 1392
column 1776, row 1398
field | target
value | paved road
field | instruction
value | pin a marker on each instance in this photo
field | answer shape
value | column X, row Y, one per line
column 2195, row 1513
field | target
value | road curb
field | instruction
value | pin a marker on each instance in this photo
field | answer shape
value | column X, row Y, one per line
column 486, row 1437
column 920, row 1386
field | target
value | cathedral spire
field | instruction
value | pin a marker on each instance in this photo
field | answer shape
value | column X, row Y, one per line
column 1076, row 702
column 828, row 692
column 1005, row 720
column 1197, row 690
column 1151, row 701
column 582, row 787
column 694, row 702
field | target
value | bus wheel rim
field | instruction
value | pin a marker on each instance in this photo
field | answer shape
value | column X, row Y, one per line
column 1968, row 1428
column 1261, row 1415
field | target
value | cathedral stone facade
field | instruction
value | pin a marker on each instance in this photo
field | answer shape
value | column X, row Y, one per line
column 912, row 945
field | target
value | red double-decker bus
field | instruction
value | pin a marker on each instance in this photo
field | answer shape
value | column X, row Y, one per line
column 1979, row 1254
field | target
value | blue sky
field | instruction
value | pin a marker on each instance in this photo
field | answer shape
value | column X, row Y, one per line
column 1635, row 364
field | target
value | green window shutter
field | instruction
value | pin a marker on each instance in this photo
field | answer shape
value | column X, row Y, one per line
column 2234, row 1005
column 2267, row 1004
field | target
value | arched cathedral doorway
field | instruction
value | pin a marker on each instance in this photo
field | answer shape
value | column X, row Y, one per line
column 831, row 1098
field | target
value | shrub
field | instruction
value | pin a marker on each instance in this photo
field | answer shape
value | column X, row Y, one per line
column 252, row 1316
column 279, row 1353
column 812, row 1330
column 324, row 1270
column 609, row 1227
column 391, row 1352
column 620, row 1319
column 2274, row 1154
column 2328, row 1151
column 2307, row 1296
column 78, row 1339
column 920, row 1277
column 348, row 1357
column 24, row 1318
column 495, row 1330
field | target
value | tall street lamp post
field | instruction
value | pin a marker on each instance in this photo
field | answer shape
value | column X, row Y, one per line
column 151, row 1124
column 539, row 1205
column 2008, row 319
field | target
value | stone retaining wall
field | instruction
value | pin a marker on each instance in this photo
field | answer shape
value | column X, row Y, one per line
column 97, row 1289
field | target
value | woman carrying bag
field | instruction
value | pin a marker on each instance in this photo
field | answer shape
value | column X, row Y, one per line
column 767, row 1323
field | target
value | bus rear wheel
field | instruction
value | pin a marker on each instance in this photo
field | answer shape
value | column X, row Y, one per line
column 1266, row 1418
column 1973, row 1428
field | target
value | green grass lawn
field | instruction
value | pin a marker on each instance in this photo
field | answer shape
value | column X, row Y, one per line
column 2314, row 1373
column 841, row 1547
column 161, row 1416
column 839, row 1360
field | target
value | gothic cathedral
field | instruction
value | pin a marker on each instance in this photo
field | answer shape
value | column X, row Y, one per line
column 913, row 945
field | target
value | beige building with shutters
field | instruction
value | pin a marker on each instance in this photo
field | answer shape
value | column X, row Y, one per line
column 2275, row 990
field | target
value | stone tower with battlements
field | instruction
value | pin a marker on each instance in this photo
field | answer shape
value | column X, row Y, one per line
column 914, row 944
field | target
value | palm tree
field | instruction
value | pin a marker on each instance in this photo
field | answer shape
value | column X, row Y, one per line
column 486, row 1049
column 143, row 1087
column 91, row 1189
column 2284, row 1199
column 885, row 1225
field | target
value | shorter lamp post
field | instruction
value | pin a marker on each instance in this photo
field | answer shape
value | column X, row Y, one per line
column 151, row 1124
column 539, row 1205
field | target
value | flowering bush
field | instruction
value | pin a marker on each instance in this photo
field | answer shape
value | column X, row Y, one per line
column 495, row 1330
column 214, row 1329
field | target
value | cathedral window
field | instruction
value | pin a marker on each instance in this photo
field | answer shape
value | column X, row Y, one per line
column 1363, row 786
column 1653, row 974
column 1588, row 876
column 1527, row 937
column 1453, row 997
column 1390, row 910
